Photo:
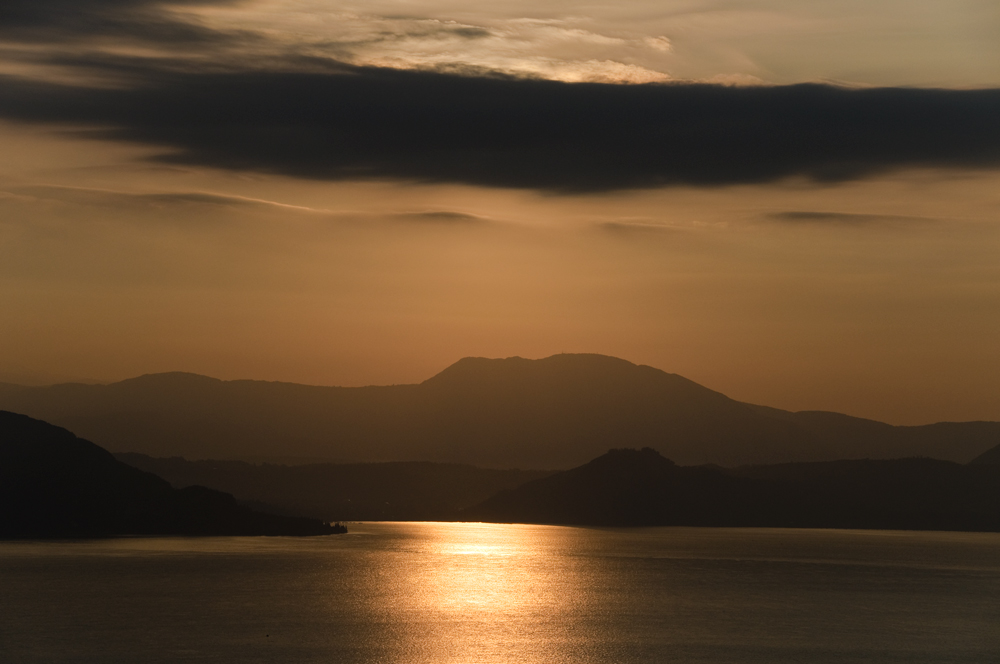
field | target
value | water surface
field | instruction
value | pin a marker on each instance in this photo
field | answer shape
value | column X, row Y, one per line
column 479, row 593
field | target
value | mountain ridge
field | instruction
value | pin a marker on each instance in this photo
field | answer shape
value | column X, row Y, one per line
column 556, row 412
column 990, row 456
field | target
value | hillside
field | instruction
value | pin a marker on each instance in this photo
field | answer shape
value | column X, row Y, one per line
column 557, row 412
column 641, row 488
column 53, row 484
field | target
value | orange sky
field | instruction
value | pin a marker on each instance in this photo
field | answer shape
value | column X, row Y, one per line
column 878, row 296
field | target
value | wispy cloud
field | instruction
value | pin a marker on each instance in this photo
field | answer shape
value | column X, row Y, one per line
column 557, row 48
column 204, row 202
column 626, row 228
column 223, row 34
column 842, row 218
column 110, row 197
column 442, row 217
column 635, row 41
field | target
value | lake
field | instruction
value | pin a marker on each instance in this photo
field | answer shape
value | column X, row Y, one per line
column 481, row 593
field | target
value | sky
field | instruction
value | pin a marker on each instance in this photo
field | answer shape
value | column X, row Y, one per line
column 793, row 202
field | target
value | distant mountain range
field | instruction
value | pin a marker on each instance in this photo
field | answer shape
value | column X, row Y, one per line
column 55, row 485
column 623, row 487
column 641, row 488
column 552, row 413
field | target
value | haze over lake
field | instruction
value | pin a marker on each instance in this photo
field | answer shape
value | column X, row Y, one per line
column 480, row 593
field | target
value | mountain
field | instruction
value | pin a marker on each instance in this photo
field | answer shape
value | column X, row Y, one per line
column 53, row 484
column 395, row 491
column 990, row 456
column 625, row 487
column 557, row 412
column 641, row 488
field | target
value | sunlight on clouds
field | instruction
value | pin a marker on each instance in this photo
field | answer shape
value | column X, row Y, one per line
column 855, row 42
column 895, row 42
column 566, row 49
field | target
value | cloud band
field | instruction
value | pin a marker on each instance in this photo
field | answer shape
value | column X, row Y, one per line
column 371, row 123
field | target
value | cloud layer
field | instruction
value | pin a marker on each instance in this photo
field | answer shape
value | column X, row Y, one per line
column 372, row 123
column 61, row 21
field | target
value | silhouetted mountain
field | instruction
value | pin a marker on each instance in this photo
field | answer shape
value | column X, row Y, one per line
column 53, row 484
column 641, row 488
column 551, row 413
column 398, row 491
column 990, row 456
column 624, row 488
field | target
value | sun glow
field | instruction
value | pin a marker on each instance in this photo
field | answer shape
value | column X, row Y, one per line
column 479, row 581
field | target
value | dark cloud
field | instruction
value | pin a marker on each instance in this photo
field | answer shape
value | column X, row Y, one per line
column 470, row 32
column 364, row 123
column 56, row 21
column 429, row 30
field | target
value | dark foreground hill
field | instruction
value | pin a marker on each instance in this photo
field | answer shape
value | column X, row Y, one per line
column 53, row 484
column 397, row 491
column 513, row 413
column 641, row 488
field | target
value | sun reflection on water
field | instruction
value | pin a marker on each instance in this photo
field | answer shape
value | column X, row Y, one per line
column 433, row 593
column 487, row 593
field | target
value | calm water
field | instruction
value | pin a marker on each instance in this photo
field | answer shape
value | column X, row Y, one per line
column 443, row 593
